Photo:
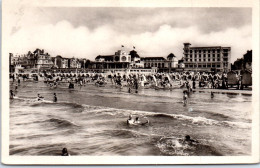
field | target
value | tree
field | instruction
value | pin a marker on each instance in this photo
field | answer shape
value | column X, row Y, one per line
column 133, row 54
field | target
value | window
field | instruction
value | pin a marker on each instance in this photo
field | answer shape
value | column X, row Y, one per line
column 213, row 65
column 204, row 65
column 208, row 66
column 204, row 60
column 218, row 59
column 162, row 65
column 218, row 65
column 190, row 66
column 225, row 50
column 123, row 58
column 199, row 60
column 199, row 66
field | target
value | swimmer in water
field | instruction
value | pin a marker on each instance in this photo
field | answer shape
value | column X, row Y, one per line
column 212, row 95
column 65, row 152
column 137, row 121
column 130, row 120
column 189, row 140
column 39, row 98
column 55, row 97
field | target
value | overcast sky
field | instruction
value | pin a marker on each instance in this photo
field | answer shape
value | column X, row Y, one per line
column 87, row 32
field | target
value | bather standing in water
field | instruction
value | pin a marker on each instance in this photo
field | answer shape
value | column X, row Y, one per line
column 55, row 97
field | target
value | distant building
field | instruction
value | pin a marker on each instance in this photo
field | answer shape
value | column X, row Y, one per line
column 214, row 58
column 121, row 59
column 150, row 62
column 162, row 64
column 43, row 59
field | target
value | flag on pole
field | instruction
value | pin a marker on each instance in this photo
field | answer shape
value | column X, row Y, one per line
column 122, row 46
column 134, row 47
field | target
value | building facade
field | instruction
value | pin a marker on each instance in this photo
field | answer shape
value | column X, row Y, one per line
column 121, row 59
column 161, row 63
column 214, row 58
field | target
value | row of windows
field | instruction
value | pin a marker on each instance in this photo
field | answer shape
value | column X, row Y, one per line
column 159, row 65
column 204, row 55
column 203, row 66
column 206, row 51
column 153, row 60
column 204, row 60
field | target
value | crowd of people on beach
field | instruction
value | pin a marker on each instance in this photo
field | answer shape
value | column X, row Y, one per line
column 188, row 81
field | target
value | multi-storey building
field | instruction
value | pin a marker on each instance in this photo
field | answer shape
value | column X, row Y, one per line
column 214, row 58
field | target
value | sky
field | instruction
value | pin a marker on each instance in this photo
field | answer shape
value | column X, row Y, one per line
column 86, row 32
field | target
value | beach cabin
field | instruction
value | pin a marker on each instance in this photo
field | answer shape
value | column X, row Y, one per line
column 232, row 78
column 246, row 78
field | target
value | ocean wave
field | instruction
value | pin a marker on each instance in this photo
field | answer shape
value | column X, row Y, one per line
column 194, row 120
column 173, row 146
column 201, row 120
column 62, row 123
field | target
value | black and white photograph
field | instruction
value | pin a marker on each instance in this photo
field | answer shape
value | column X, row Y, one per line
column 130, row 80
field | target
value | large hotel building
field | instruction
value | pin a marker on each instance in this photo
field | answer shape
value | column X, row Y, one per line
column 215, row 58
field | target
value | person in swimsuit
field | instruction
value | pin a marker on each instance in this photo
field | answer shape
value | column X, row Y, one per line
column 55, row 97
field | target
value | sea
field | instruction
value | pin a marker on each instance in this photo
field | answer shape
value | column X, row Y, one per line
column 92, row 121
